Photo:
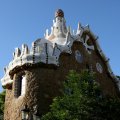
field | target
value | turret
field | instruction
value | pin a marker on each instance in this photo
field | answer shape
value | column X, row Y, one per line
column 58, row 30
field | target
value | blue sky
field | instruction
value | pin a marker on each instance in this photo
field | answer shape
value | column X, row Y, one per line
column 23, row 21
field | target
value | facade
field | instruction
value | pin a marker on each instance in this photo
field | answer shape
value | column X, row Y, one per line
column 34, row 76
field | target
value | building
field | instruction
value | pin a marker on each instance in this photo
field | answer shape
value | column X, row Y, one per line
column 34, row 77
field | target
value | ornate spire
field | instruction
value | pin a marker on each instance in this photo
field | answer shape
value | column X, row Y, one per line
column 58, row 30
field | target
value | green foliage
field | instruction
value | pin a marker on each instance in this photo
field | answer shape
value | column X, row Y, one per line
column 83, row 100
column 2, row 100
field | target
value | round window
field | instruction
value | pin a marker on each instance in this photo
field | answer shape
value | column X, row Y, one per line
column 99, row 67
column 78, row 56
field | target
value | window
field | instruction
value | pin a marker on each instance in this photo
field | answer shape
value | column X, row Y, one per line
column 78, row 56
column 99, row 67
column 23, row 85
column 20, row 85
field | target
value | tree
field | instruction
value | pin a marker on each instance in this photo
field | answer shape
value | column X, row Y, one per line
column 82, row 99
column 2, row 100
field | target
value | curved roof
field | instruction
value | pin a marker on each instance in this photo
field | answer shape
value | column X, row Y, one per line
column 48, row 49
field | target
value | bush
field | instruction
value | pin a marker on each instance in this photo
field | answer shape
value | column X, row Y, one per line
column 2, row 100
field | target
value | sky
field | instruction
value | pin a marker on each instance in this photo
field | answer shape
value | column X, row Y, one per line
column 24, row 21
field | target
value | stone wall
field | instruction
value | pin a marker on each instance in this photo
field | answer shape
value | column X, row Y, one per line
column 44, row 82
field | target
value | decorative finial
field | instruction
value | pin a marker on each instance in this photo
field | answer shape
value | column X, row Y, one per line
column 59, row 13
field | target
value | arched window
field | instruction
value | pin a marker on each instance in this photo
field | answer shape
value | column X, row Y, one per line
column 20, row 85
column 23, row 85
column 78, row 56
column 99, row 67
